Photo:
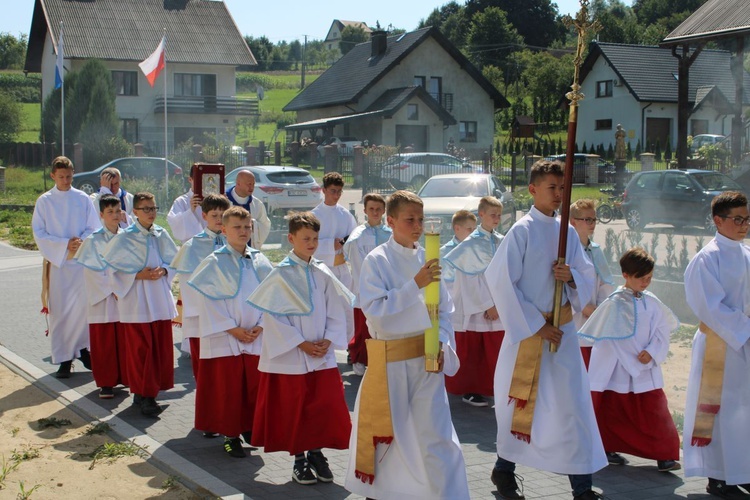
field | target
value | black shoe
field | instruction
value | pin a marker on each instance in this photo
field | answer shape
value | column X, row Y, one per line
column 149, row 407
column 588, row 495
column 668, row 465
column 86, row 358
column 319, row 465
column 210, row 435
column 64, row 370
column 137, row 399
column 475, row 400
column 247, row 436
column 233, row 446
column 507, row 487
column 106, row 393
column 721, row 489
column 745, row 487
column 302, row 473
column 616, row 459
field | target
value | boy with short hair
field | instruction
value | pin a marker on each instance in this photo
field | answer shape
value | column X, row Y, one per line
column 631, row 331
column 230, row 328
column 111, row 183
column 717, row 286
column 190, row 255
column 464, row 223
column 63, row 217
column 562, row 437
column 184, row 217
column 105, row 333
column 361, row 242
column 479, row 331
column 301, row 405
column 336, row 224
column 583, row 220
column 402, row 416
column 140, row 256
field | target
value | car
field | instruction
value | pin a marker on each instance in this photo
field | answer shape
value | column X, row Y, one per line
column 281, row 188
column 701, row 140
column 443, row 195
column 606, row 169
column 130, row 168
column 345, row 145
column 411, row 170
column 677, row 197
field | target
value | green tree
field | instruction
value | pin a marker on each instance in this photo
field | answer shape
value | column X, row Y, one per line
column 295, row 53
column 10, row 117
column 351, row 36
column 492, row 38
column 535, row 20
column 12, row 51
column 452, row 22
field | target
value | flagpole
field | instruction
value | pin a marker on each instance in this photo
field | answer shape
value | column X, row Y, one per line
column 166, row 133
column 62, row 92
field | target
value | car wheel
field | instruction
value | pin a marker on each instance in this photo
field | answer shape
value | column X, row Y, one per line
column 708, row 223
column 87, row 187
column 604, row 213
column 634, row 219
column 417, row 182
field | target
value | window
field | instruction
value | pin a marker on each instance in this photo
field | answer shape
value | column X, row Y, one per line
column 604, row 88
column 412, row 112
column 467, row 131
column 129, row 130
column 604, row 124
column 126, row 82
column 188, row 85
column 420, row 81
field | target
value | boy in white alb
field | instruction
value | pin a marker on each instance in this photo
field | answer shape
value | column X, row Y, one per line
column 630, row 331
column 105, row 334
column 63, row 217
column 464, row 223
column 184, row 217
column 301, row 405
column 140, row 256
column 361, row 242
column 562, row 436
column 583, row 220
column 403, row 444
column 190, row 255
column 336, row 224
column 717, row 287
column 479, row 331
column 231, row 332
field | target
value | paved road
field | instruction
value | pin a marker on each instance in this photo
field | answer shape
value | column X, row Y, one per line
column 262, row 475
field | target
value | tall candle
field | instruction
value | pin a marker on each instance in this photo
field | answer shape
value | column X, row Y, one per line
column 432, row 297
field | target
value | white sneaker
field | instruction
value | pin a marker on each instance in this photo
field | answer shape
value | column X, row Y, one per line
column 359, row 368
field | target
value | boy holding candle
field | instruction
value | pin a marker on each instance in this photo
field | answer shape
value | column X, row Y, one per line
column 562, row 436
column 464, row 223
column 403, row 443
column 479, row 331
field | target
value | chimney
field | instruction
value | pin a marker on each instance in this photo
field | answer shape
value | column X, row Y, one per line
column 379, row 42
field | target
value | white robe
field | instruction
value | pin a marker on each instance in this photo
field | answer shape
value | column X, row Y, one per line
column 128, row 203
column 602, row 288
column 717, row 287
column 448, row 273
column 59, row 216
column 261, row 222
column 564, row 435
column 357, row 248
column 423, row 461
column 184, row 222
column 102, row 304
column 335, row 222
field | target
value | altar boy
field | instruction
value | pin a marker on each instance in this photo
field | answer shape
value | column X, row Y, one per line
column 464, row 223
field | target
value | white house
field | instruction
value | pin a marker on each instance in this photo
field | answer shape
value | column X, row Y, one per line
column 333, row 37
column 204, row 48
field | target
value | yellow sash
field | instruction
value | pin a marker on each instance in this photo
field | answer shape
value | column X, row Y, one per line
column 45, row 286
column 712, row 380
column 525, row 381
column 374, row 424
column 338, row 259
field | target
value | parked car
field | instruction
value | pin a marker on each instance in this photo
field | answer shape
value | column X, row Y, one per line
column 677, row 197
column 411, row 170
column 701, row 140
column 130, row 168
column 444, row 195
column 281, row 188
column 606, row 169
column 345, row 145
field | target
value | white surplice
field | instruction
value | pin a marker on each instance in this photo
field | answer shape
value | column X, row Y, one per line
column 717, row 287
column 602, row 288
column 448, row 273
column 335, row 222
column 425, row 458
column 58, row 217
column 125, row 199
column 261, row 222
column 184, row 222
column 363, row 240
column 564, row 435
column 98, row 279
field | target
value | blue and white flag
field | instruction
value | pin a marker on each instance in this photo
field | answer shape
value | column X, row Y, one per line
column 59, row 70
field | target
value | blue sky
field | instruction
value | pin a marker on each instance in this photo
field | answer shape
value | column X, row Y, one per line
column 290, row 19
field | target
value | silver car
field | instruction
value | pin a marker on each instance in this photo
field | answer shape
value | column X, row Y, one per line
column 281, row 188
column 411, row 170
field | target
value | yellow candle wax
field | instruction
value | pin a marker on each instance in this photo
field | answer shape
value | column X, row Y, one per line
column 432, row 300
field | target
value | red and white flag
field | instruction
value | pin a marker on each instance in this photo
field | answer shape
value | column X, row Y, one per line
column 154, row 63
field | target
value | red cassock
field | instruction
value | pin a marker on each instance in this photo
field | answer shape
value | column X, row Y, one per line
column 477, row 352
column 586, row 354
column 195, row 356
column 357, row 347
column 108, row 354
column 149, row 357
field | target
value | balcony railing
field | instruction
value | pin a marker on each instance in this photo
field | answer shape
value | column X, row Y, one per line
column 213, row 105
column 445, row 100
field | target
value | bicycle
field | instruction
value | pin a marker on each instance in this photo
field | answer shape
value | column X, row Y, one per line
column 606, row 212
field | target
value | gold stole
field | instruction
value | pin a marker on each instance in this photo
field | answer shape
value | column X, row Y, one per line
column 338, row 260
column 45, row 286
column 712, row 380
column 374, row 424
column 525, row 381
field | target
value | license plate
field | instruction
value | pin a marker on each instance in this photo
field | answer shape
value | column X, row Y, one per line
column 297, row 192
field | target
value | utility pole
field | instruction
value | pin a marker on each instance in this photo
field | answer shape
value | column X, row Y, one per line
column 304, row 55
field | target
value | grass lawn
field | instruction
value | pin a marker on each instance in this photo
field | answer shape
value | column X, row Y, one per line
column 30, row 122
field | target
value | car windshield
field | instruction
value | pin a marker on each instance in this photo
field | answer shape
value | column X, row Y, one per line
column 454, row 186
column 714, row 181
column 290, row 177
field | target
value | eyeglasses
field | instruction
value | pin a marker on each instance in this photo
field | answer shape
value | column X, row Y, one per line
column 738, row 220
column 148, row 210
column 587, row 220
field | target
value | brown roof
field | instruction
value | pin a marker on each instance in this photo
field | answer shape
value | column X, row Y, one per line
column 714, row 19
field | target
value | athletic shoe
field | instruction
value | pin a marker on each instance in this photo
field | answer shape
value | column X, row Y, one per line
column 106, row 393
column 475, row 400
column 615, row 458
column 210, row 435
column 149, row 407
column 359, row 368
column 233, row 446
column 247, row 436
column 137, row 399
column 668, row 465
column 319, row 465
column 721, row 489
column 507, row 487
column 64, row 370
column 302, row 473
